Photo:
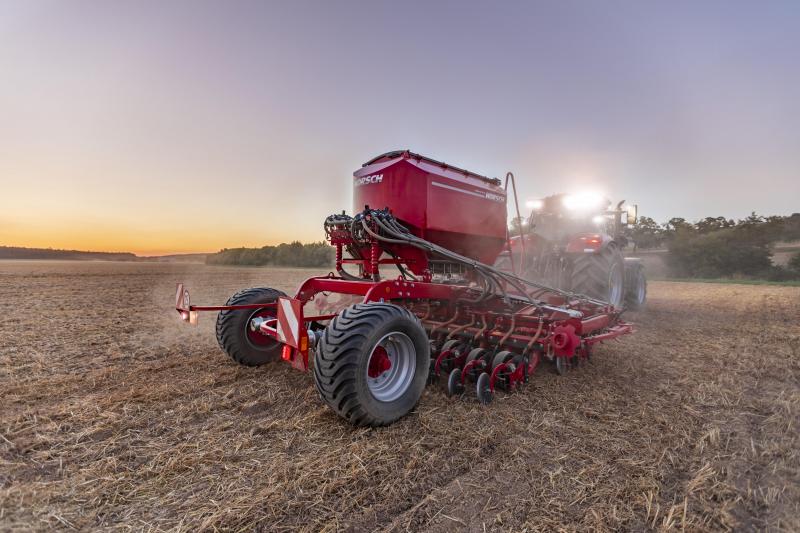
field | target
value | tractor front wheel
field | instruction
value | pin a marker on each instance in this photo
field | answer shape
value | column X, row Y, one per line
column 243, row 345
column 635, row 287
column 371, row 363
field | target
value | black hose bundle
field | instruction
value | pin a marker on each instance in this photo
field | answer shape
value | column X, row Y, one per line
column 389, row 230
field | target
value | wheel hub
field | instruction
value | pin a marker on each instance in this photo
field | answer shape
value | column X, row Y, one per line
column 379, row 362
column 255, row 338
column 391, row 367
column 565, row 341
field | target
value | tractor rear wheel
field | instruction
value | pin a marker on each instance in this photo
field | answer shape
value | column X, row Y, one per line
column 504, row 263
column 600, row 275
column 234, row 335
column 371, row 363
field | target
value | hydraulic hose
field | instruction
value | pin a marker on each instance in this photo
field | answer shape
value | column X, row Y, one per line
column 397, row 234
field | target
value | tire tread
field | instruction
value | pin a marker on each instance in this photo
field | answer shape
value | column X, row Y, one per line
column 336, row 358
column 228, row 327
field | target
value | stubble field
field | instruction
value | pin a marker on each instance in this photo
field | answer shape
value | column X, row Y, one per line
column 115, row 415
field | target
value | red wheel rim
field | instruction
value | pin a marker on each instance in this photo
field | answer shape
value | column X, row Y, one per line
column 256, row 339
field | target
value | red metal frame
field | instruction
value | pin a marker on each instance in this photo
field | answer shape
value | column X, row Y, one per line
column 564, row 333
column 440, row 203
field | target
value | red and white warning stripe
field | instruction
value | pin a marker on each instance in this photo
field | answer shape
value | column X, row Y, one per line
column 183, row 304
column 289, row 320
column 181, row 297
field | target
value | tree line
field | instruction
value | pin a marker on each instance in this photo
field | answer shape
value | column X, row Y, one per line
column 294, row 254
column 713, row 247
column 718, row 247
column 18, row 252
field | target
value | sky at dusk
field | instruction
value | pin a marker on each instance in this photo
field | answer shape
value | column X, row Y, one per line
column 162, row 127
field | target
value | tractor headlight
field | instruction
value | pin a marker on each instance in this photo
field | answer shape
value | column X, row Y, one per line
column 583, row 201
column 535, row 204
column 598, row 220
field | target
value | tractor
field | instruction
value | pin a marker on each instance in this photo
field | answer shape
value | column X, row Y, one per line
column 575, row 242
column 373, row 340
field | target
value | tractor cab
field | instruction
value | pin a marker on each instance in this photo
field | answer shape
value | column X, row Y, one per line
column 560, row 217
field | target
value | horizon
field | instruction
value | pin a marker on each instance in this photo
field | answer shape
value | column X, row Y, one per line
column 162, row 253
column 191, row 127
column 148, row 254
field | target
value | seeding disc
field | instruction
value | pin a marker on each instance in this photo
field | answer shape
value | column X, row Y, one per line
column 475, row 353
column 501, row 357
column 562, row 365
column 485, row 395
column 452, row 344
column 454, row 385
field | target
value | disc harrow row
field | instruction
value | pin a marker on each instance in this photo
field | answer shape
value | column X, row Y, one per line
column 472, row 362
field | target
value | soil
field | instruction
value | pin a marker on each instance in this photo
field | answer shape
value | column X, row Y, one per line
column 115, row 415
